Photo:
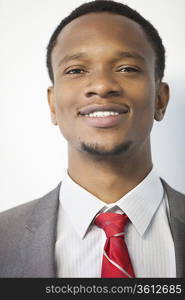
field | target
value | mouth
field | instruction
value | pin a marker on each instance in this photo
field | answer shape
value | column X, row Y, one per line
column 105, row 116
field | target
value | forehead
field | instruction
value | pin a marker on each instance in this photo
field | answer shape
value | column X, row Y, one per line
column 104, row 31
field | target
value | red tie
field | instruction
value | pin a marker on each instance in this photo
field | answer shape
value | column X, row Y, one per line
column 116, row 260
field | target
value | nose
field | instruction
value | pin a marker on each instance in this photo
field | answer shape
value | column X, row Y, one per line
column 103, row 85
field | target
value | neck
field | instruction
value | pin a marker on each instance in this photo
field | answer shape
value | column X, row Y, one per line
column 109, row 179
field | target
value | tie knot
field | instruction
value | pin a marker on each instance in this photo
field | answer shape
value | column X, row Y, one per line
column 113, row 224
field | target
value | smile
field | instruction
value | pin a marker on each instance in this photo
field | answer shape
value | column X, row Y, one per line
column 104, row 119
column 102, row 114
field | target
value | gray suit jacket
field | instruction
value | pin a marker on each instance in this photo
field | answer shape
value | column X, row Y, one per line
column 28, row 235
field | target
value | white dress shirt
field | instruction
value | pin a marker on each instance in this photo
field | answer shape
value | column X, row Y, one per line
column 79, row 245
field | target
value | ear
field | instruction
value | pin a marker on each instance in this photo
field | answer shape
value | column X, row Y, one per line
column 50, row 92
column 162, row 99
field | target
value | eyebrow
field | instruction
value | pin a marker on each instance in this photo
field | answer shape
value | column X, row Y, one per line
column 129, row 54
column 118, row 55
column 74, row 56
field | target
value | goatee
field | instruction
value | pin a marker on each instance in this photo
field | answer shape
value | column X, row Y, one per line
column 102, row 152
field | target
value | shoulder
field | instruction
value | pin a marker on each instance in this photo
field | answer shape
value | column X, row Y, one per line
column 15, row 218
column 175, row 198
column 17, row 214
column 15, row 224
column 171, row 191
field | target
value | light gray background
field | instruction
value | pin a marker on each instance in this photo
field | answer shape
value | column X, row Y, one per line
column 33, row 153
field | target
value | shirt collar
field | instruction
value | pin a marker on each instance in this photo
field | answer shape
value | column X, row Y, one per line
column 80, row 205
column 140, row 204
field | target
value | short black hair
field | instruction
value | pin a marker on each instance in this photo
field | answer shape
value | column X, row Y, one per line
column 115, row 8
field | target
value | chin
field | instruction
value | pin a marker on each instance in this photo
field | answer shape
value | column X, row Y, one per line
column 103, row 151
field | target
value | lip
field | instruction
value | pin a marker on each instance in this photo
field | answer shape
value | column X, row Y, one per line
column 107, row 121
column 104, row 107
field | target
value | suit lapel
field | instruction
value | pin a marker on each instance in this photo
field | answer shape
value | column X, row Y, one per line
column 177, row 222
column 38, row 243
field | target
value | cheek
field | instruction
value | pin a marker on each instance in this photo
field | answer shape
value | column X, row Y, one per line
column 63, row 103
column 65, row 111
column 143, row 96
column 143, row 107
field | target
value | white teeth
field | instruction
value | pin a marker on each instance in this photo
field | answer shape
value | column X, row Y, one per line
column 102, row 114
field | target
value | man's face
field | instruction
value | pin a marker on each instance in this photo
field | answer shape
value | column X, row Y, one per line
column 105, row 93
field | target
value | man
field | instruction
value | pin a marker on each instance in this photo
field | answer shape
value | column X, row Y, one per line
column 106, row 64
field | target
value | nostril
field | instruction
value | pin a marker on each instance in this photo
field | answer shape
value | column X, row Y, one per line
column 114, row 93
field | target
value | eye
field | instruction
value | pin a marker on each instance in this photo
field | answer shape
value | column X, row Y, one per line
column 128, row 69
column 75, row 71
